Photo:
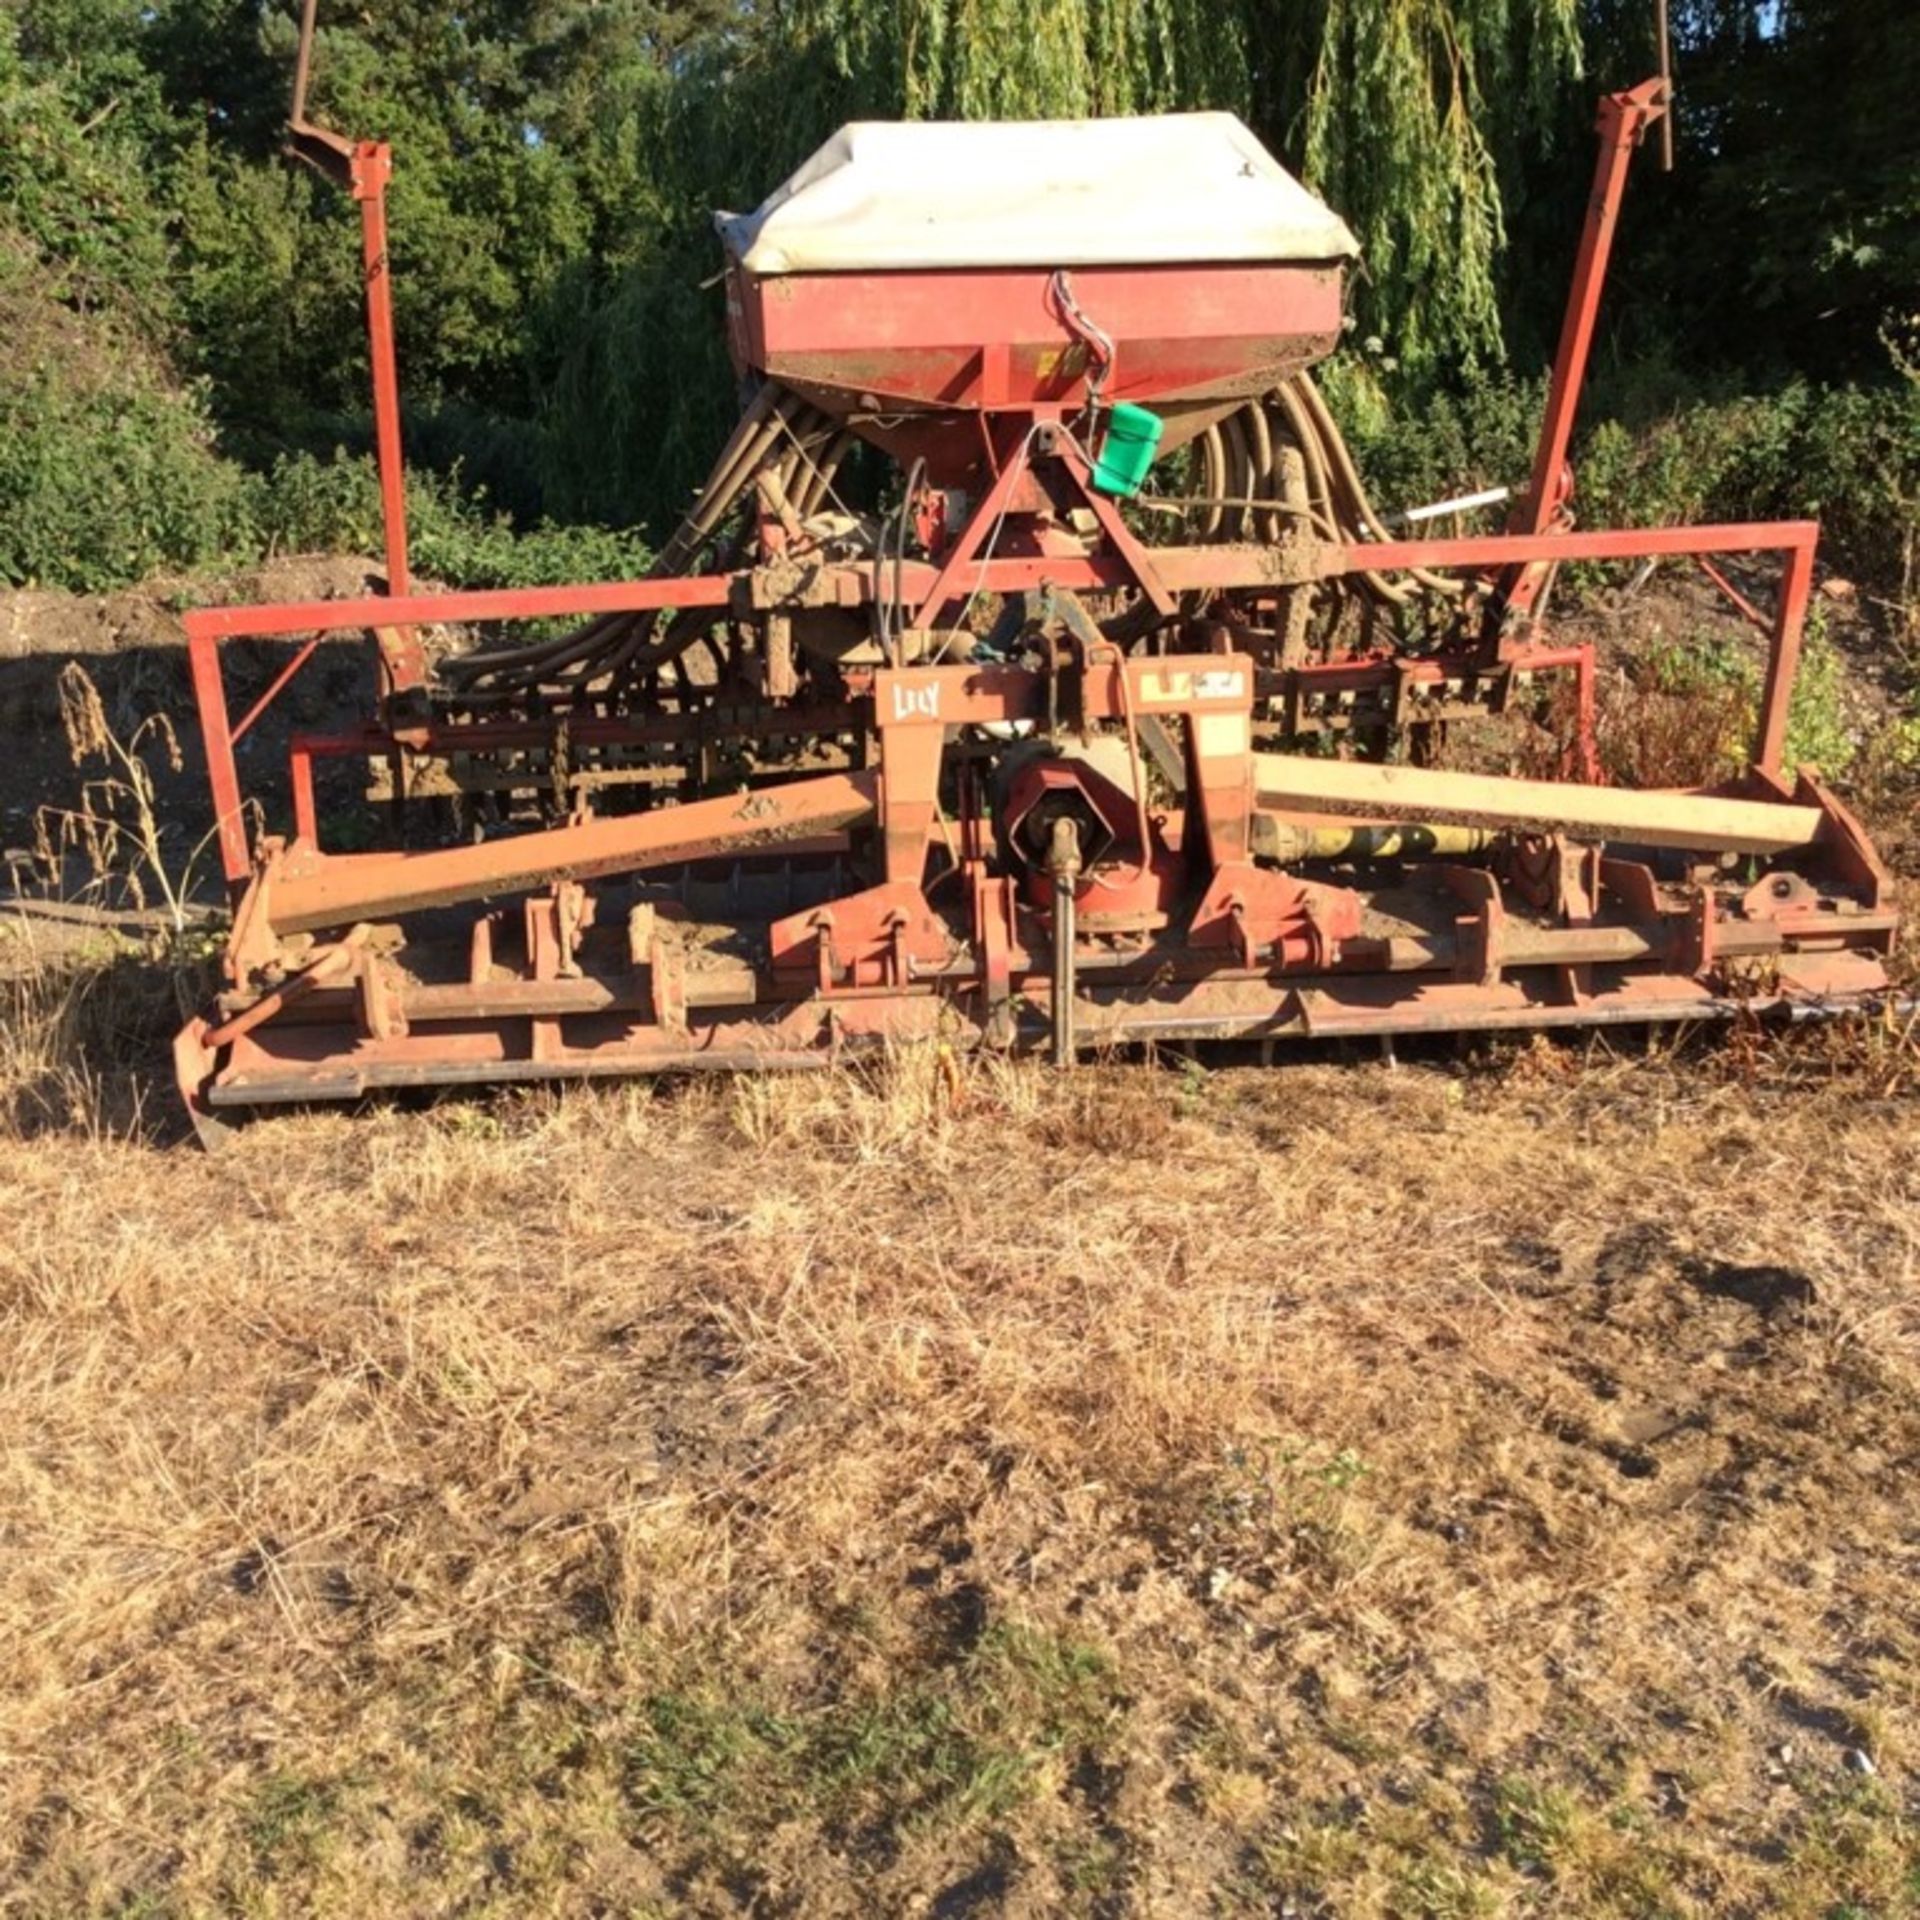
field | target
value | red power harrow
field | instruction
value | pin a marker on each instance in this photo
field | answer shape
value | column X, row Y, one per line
column 995, row 764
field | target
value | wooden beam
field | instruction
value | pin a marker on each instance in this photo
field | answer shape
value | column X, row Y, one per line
column 1703, row 822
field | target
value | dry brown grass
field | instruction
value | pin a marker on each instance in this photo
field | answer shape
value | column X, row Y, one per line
column 1480, row 1487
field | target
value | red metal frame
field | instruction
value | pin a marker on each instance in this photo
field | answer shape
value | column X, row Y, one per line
column 1624, row 120
column 1222, row 568
column 992, row 340
column 1149, row 919
column 364, row 168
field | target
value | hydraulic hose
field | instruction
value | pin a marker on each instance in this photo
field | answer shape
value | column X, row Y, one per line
column 623, row 646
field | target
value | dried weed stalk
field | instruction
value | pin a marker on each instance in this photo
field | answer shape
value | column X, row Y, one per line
column 115, row 826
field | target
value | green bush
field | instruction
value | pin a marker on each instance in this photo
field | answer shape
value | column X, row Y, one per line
column 75, row 187
column 108, row 470
column 333, row 506
column 1443, row 443
column 1848, row 456
column 1684, row 711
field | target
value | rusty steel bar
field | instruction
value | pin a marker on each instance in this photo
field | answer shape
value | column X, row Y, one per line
column 364, row 168
column 223, row 777
column 1741, row 604
column 309, row 890
column 1624, row 118
column 330, row 962
column 286, row 1081
column 1783, row 661
column 245, row 725
column 509, row 733
column 1600, row 543
column 1663, row 40
column 1184, row 569
column 721, row 984
column 420, row 609
column 302, row 66
column 372, row 168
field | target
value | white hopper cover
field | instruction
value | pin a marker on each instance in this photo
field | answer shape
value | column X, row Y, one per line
column 1036, row 193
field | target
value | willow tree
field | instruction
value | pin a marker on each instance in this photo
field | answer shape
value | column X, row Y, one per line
column 1416, row 119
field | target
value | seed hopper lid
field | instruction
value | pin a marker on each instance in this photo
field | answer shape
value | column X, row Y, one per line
column 1169, row 188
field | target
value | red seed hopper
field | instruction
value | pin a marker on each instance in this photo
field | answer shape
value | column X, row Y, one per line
column 912, row 275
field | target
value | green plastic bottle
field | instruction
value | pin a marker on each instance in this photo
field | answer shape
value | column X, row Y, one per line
column 1132, row 439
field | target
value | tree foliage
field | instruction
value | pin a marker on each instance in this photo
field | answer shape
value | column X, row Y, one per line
column 1800, row 129
column 557, row 162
